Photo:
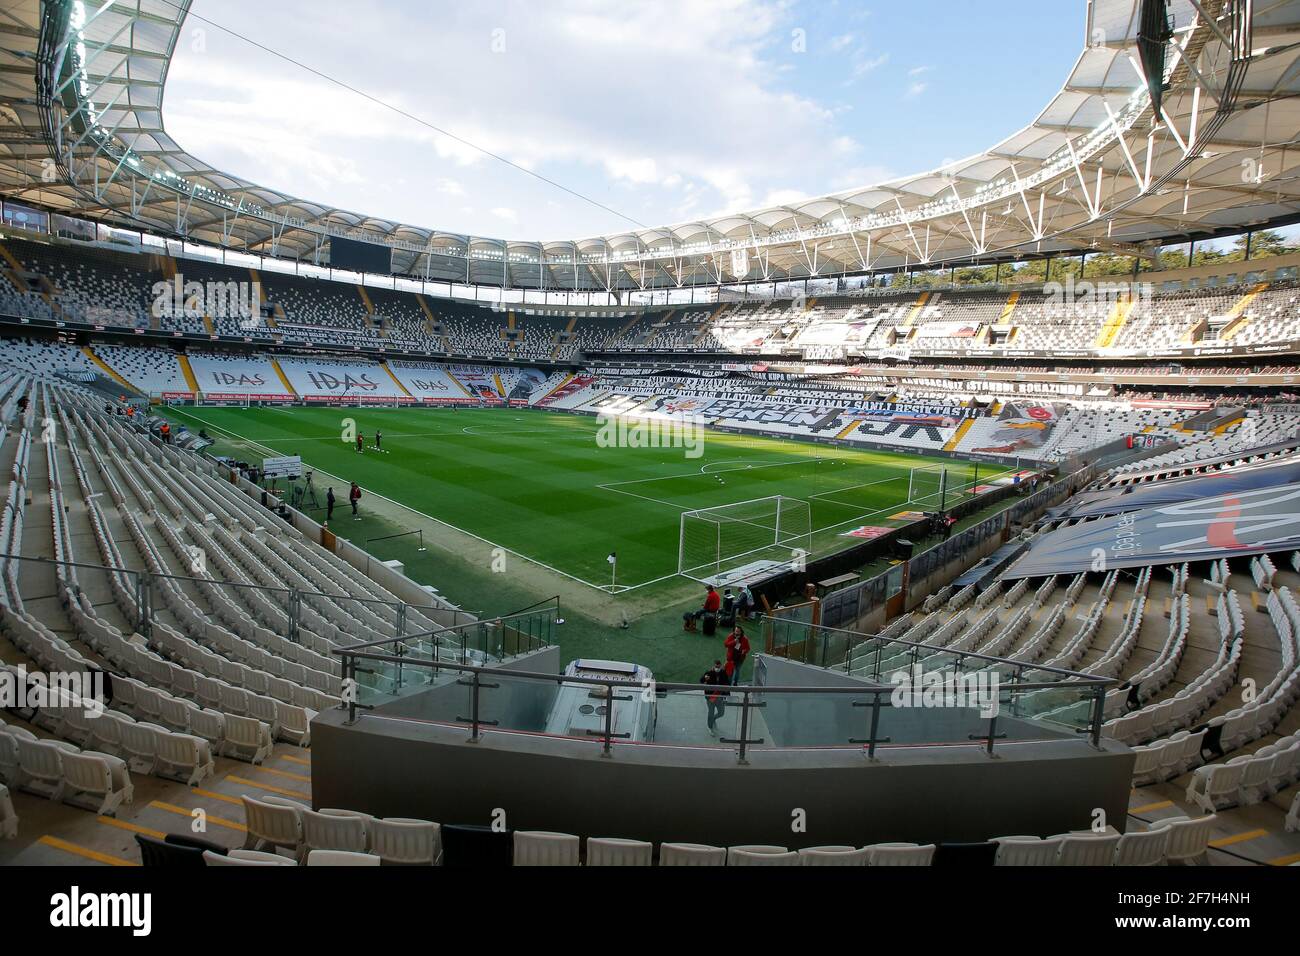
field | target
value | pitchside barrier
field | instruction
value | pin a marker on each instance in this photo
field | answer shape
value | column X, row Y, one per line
column 854, row 557
column 863, row 604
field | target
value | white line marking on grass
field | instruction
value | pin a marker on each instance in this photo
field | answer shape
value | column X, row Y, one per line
column 633, row 494
column 446, row 524
column 696, row 474
column 864, row 484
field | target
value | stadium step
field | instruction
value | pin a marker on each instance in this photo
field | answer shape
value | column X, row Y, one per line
column 567, row 379
column 1005, row 317
column 105, row 368
column 1119, row 313
column 284, row 379
column 917, row 306
column 1237, row 318
column 847, row 429
column 396, row 380
column 962, row 429
column 184, row 362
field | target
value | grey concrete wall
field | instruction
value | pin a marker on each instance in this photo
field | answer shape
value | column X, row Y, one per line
column 925, row 794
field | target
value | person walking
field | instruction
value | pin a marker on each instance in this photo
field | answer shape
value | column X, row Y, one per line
column 379, row 440
column 354, row 495
column 737, row 645
column 361, row 441
column 329, row 505
column 714, row 699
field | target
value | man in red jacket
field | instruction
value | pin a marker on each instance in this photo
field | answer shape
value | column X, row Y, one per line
column 712, row 601
column 354, row 495
column 737, row 645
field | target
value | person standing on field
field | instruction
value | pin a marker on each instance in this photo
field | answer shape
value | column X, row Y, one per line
column 354, row 495
column 329, row 505
column 361, row 440
column 379, row 439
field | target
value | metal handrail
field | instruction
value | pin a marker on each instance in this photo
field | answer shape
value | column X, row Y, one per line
column 743, row 696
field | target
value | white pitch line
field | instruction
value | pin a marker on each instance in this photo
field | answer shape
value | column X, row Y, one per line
column 445, row 524
column 864, row 484
column 696, row 474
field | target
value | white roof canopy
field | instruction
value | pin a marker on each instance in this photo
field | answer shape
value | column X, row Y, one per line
column 1096, row 170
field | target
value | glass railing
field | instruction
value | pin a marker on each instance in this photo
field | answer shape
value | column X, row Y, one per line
column 933, row 697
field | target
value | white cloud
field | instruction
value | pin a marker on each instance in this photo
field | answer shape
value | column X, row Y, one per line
column 916, row 89
column 862, row 64
column 598, row 98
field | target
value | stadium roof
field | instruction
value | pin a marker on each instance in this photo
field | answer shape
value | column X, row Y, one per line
column 81, row 127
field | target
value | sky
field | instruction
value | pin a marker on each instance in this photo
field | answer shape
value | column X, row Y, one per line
column 657, row 111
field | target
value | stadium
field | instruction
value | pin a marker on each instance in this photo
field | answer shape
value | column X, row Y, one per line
column 333, row 540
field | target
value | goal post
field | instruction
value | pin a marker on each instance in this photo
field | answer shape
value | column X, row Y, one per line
column 762, row 533
column 932, row 486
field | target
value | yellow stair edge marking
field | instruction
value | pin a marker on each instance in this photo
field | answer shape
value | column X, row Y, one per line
column 567, row 379
column 496, row 380
column 365, row 299
column 447, row 371
column 284, row 379
column 14, row 264
column 213, row 795
column 1285, row 860
column 848, row 428
column 188, row 372
column 305, row 778
column 916, row 309
column 425, row 306
column 1238, row 838
column 282, row 791
column 1115, row 322
column 962, row 429
column 85, row 852
column 384, row 366
column 1237, row 319
column 1147, row 807
column 1010, row 307
column 86, row 351
column 182, row 812
column 292, row 759
column 131, row 827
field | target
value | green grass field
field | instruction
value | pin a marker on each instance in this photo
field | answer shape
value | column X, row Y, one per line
column 538, row 483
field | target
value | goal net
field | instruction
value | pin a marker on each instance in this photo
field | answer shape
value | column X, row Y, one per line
column 717, row 544
column 932, row 486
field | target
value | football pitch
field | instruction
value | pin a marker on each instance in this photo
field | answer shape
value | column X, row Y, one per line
column 540, row 485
